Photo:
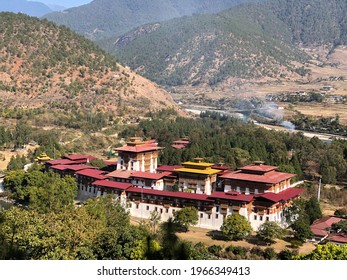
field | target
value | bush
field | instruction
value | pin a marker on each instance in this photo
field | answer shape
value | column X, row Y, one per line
column 215, row 249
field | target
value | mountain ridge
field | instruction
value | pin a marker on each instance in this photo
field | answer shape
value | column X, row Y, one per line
column 102, row 19
column 251, row 41
column 43, row 65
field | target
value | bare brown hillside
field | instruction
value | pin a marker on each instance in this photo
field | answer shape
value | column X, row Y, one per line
column 43, row 65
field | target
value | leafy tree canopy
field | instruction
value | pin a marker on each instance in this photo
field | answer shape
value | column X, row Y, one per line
column 236, row 227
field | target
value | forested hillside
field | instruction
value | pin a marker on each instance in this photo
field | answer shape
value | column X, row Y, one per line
column 313, row 21
column 43, row 65
column 107, row 18
column 218, row 138
column 252, row 41
column 248, row 42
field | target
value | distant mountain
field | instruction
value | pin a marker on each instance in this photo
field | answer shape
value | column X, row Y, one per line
column 313, row 21
column 56, row 8
column 26, row 7
column 44, row 65
column 66, row 3
column 252, row 41
column 106, row 18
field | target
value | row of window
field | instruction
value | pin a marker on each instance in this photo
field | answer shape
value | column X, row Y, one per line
column 166, row 210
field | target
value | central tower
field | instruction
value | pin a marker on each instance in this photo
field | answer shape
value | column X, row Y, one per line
column 138, row 155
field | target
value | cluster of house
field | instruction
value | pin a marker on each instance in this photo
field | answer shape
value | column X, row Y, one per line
column 323, row 231
column 258, row 192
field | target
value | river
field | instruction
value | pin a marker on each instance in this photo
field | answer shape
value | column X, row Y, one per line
column 322, row 136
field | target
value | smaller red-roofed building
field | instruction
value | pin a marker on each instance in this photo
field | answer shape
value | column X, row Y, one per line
column 140, row 179
column 85, row 179
column 138, row 155
column 322, row 231
column 257, row 178
column 154, row 181
column 181, row 144
column 104, row 187
column 80, row 158
column 69, row 169
column 110, row 166
column 120, row 176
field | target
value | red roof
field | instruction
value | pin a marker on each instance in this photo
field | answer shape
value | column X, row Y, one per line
column 338, row 238
column 185, row 142
column 258, row 168
column 139, row 148
column 178, row 146
column 221, row 167
column 231, row 196
column 112, row 184
column 183, row 195
column 325, row 222
column 123, row 174
column 79, row 167
column 74, row 167
column 149, row 175
column 60, row 161
column 93, row 173
column 79, row 157
column 283, row 195
column 272, row 177
column 109, row 163
column 319, row 232
column 168, row 168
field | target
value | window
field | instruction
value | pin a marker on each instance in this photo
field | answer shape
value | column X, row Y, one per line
column 136, row 206
column 267, row 219
column 255, row 217
column 201, row 215
column 261, row 218
column 217, row 208
column 209, row 216
column 147, row 207
column 155, row 208
column 216, row 216
column 173, row 211
column 161, row 210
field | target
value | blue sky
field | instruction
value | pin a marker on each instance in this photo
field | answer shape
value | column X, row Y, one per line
column 65, row 3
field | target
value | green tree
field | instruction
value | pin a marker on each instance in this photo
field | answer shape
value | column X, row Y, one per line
column 129, row 243
column 313, row 210
column 63, row 235
column 299, row 220
column 16, row 162
column 269, row 231
column 168, row 239
column 22, row 134
column 302, row 230
column 51, row 193
column 186, row 217
column 340, row 226
column 108, row 211
column 154, row 221
column 99, row 163
column 327, row 251
column 236, row 227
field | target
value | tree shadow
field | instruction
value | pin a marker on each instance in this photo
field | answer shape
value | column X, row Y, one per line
column 217, row 235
